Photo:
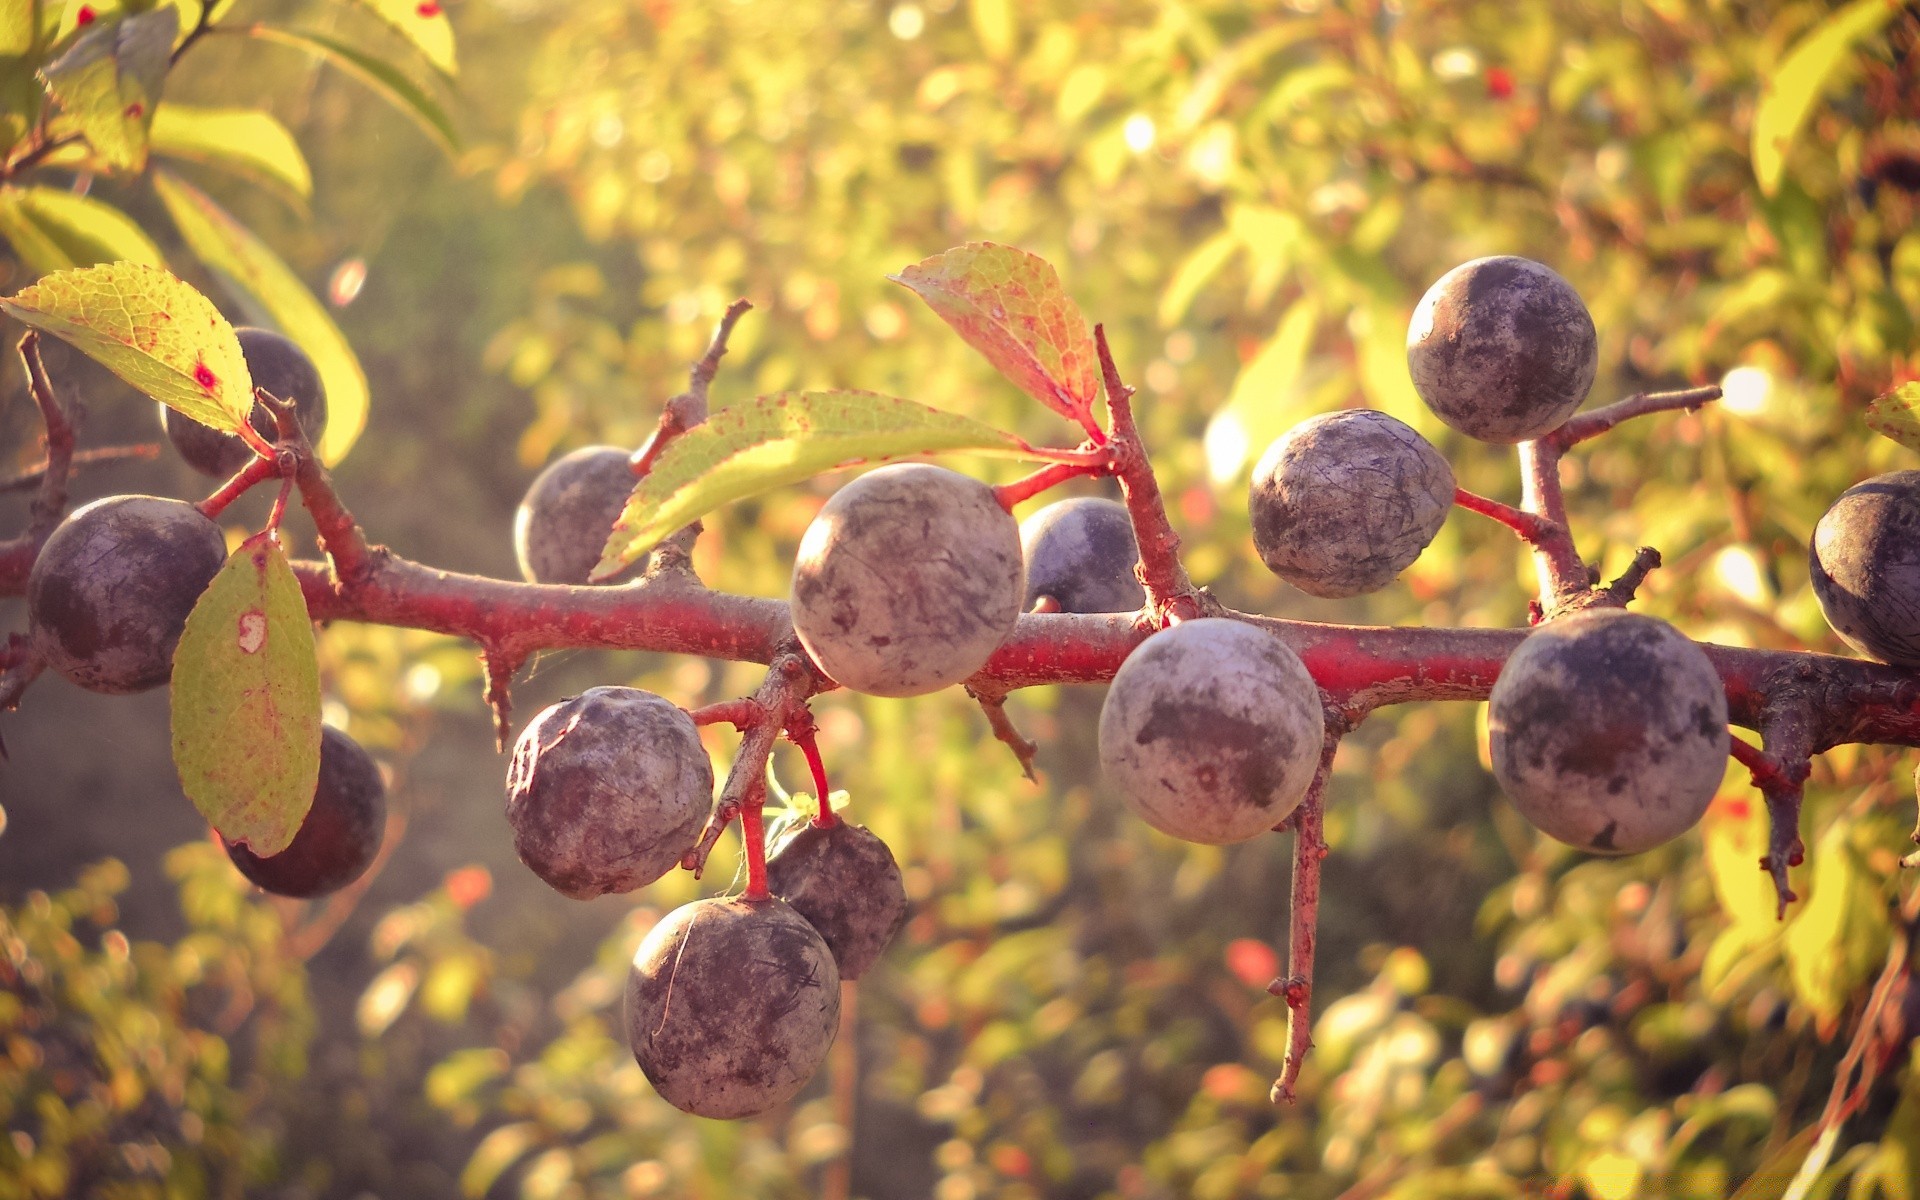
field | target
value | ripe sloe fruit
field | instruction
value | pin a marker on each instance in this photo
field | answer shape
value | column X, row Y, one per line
column 110, row 592
column 566, row 515
column 1608, row 729
column 1212, row 730
column 1865, row 562
column 907, row 581
column 731, row 1006
column 1502, row 349
column 276, row 364
column 341, row 834
column 1082, row 553
column 845, row 882
column 607, row 790
column 1344, row 502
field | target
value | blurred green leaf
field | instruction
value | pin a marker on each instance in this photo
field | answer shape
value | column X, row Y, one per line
column 246, row 701
column 247, row 141
column 424, row 24
column 769, row 441
column 17, row 27
column 1771, row 1180
column 151, row 330
column 497, row 1152
column 108, row 82
column 246, row 264
column 390, row 82
column 1838, row 937
column 387, row 997
column 1800, row 77
column 54, row 230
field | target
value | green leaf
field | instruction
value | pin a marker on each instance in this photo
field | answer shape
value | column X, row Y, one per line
column 1893, row 414
column 996, row 27
column 1839, row 937
column 246, row 700
column 1267, row 395
column 151, row 330
column 247, row 141
column 108, row 83
column 1194, row 273
column 18, row 23
column 1009, row 305
column 782, row 438
column 424, row 24
column 78, row 231
column 1791, row 90
column 497, row 1152
column 400, row 91
column 257, row 274
column 1770, row 1182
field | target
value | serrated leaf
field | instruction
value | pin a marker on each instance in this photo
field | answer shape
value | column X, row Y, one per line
column 400, row 91
column 1896, row 414
column 777, row 439
column 246, row 701
column 55, row 230
column 257, row 274
column 424, row 24
column 1799, row 79
column 151, row 330
column 1009, row 305
column 108, row 82
column 244, row 140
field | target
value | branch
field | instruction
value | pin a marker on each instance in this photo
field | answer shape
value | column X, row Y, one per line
column 1170, row 593
column 30, row 478
column 1592, row 424
column 993, row 702
column 1564, row 576
column 1303, row 925
column 1531, row 528
column 1022, row 490
column 682, row 412
column 50, row 504
column 790, row 681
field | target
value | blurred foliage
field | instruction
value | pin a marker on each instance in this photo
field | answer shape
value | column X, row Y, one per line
column 1251, row 197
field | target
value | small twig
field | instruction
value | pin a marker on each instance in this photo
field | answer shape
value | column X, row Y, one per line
column 1022, row 490
column 689, row 408
column 201, row 27
column 1169, row 591
column 790, row 680
column 1600, row 420
column 994, row 705
column 256, row 472
column 1531, row 528
column 743, row 713
column 50, row 503
column 1780, row 772
column 1623, row 589
column 801, row 732
column 1564, row 576
column 1309, row 850
column 98, row 456
column 340, row 537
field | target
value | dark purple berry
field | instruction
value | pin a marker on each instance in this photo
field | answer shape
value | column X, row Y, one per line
column 845, row 882
column 341, row 834
column 565, row 517
column 285, row 371
column 1865, row 563
column 1082, row 553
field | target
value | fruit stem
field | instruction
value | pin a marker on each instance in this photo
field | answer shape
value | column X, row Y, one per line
column 1563, row 575
column 1530, row 527
column 1022, row 490
column 1169, row 590
column 753, row 833
column 257, row 470
column 800, row 731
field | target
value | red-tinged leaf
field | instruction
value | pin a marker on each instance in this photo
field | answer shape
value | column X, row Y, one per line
column 1896, row 414
column 1009, row 305
column 246, row 701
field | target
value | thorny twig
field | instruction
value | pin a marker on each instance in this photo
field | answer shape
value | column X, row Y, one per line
column 994, row 704
column 1309, row 849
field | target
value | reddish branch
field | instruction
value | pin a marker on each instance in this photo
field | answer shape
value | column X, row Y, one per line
column 1021, row 490
column 1592, row 424
column 1532, row 528
column 1170, row 593
column 1309, row 850
column 50, row 502
column 99, row 456
column 993, row 705
column 801, row 732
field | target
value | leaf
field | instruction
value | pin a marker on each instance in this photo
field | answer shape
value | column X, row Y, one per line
column 1839, row 936
column 108, row 83
column 1266, row 396
column 247, row 141
column 151, row 330
column 399, row 91
column 782, row 438
column 1798, row 80
column 246, row 701
column 497, row 1152
column 386, row 998
column 424, row 24
column 246, row 264
column 1770, row 1181
column 1892, row 414
column 1009, row 305
column 17, row 27
column 994, row 24
column 54, row 230
column 1194, row 273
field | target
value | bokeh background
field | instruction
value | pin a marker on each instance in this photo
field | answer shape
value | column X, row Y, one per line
column 1250, row 196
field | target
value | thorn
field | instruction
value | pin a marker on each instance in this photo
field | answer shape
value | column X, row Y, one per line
column 500, row 668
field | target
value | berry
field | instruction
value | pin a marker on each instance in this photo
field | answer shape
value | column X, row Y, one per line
column 1502, row 349
column 1609, row 731
column 607, row 790
column 565, row 517
column 1082, row 553
column 731, row 1006
column 1212, row 730
column 1865, row 562
column 110, row 592
column 341, row 834
column 907, row 581
column 275, row 364
column 845, row 882
column 1344, row 502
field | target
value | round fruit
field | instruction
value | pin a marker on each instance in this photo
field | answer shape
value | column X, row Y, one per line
column 1082, row 553
column 110, row 592
column 731, row 1006
column 607, row 790
column 341, row 834
column 1502, row 349
column 1212, row 730
column 907, row 581
column 1609, row 730
column 564, row 520
column 1344, row 502
column 275, row 364
column 1865, row 562
column 845, row 882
